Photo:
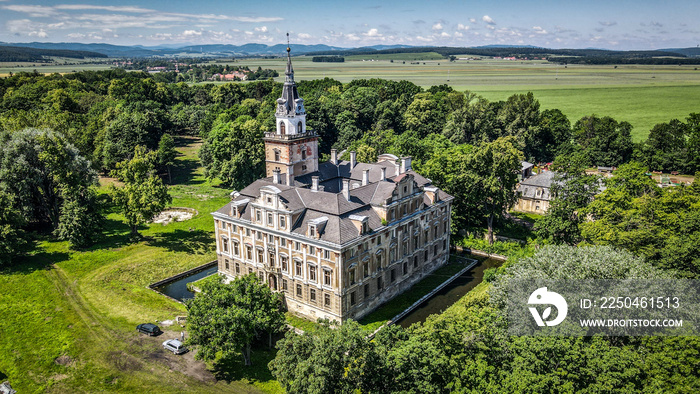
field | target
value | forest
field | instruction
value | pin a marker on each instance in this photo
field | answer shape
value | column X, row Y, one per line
column 58, row 133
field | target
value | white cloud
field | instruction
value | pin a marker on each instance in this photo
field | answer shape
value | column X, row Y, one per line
column 472, row 20
column 462, row 27
column 77, row 7
column 608, row 23
column 372, row 33
column 437, row 26
column 38, row 11
column 488, row 20
column 192, row 33
column 262, row 29
column 458, row 34
column 304, row 36
column 539, row 30
column 40, row 34
column 444, row 34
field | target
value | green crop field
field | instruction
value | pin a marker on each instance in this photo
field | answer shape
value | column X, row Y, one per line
column 639, row 94
column 69, row 317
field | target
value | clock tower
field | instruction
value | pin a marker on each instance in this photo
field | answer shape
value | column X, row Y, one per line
column 291, row 148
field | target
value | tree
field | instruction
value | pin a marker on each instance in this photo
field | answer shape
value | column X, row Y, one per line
column 492, row 178
column 332, row 359
column 665, row 149
column 572, row 190
column 234, row 152
column 143, row 194
column 13, row 239
column 41, row 173
column 604, row 141
column 224, row 319
column 166, row 153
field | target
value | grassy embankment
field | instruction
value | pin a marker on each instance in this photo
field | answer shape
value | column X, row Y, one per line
column 69, row 316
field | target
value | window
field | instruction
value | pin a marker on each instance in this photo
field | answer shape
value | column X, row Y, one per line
column 353, row 298
column 327, row 300
column 277, row 155
column 367, row 291
column 303, row 153
column 405, row 267
column 224, row 244
column 258, row 215
column 300, row 128
column 444, row 244
column 226, row 263
column 327, row 277
column 283, row 222
column 238, row 269
column 247, row 232
column 312, row 249
column 352, row 276
column 283, row 242
column 425, row 258
column 365, row 269
column 260, row 256
column 249, row 252
column 405, row 248
column 269, row 200
column 327, row 254
column 284, row 284
column 236, row 251
column 250, row 270
column 234, row 228
column 415, row 242
column 223, row 225
column 284, row 263
column 312, row 295
column 393, row 275
column 379, row 239
column 297, row 246
column 299, row 291
column 379, row 283
column 298, row 268
column 282, row 131
column 259, row 235
column 270, row 220
column 415, row 262
column 312, row 273
column 270, row 238
column 312, row 231
column 303, row 167
column 272, row 259
column 405, row 189
column 379, row 260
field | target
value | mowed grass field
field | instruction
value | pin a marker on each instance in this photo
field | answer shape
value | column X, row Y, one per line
column 69, row 317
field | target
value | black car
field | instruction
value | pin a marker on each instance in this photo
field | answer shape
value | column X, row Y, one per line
column 149, row 328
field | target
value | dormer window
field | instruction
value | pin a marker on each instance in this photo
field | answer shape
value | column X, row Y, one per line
column 312, row 231
column 282, row 131
column 300, row 128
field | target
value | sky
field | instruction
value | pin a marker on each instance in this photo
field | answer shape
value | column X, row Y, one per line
column 609, row 24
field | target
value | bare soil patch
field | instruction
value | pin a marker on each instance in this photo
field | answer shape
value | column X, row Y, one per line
column 175, row 214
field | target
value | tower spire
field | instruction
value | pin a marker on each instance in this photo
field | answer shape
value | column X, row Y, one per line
column 289, row 72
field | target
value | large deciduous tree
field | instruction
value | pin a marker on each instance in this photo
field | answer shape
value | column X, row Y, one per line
column 43, row 176
column 604, row 141
column 143, row 194
column 224, row 319
column 234, row 152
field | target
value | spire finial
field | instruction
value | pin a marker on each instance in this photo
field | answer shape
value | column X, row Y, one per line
column 288, row 49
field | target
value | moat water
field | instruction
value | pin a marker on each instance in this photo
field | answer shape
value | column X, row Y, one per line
column 451, row 293
column 177, row 289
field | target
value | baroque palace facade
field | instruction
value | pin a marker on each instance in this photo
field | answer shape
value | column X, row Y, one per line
column 338, row 238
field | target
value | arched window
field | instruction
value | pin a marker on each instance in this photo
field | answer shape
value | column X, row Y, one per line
column 299, row 128
column 282, row 128
column 277, row 152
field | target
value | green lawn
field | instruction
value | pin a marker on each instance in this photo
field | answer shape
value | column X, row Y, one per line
column 69, row 317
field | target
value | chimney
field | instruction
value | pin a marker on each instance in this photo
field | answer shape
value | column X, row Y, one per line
column 314, row 183
column 334, row 156
column 290, row 179
column 365, row 177
column 346, row 188
column 276, row 176
column 405, row 164
column 353, row 159
column 383, row 178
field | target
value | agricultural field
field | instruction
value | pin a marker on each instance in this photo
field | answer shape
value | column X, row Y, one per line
column 641, row 95
column 69, row 317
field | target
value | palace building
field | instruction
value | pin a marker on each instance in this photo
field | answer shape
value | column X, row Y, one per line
column 338, row 238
